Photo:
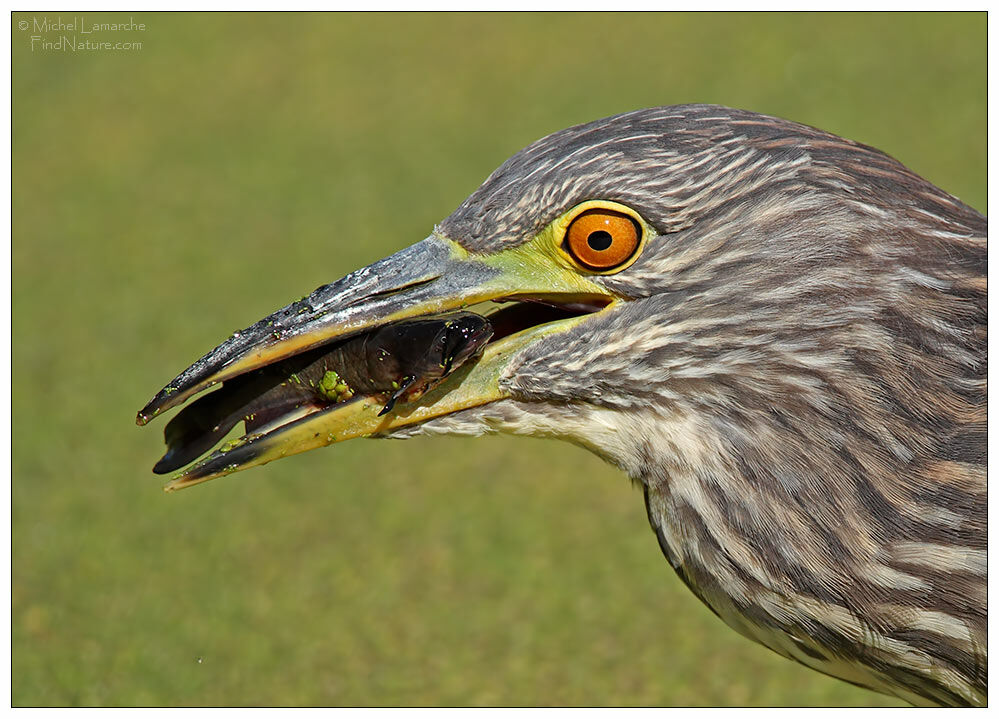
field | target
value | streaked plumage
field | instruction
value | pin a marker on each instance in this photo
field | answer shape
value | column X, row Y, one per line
column 799, row 386
column 794, row 371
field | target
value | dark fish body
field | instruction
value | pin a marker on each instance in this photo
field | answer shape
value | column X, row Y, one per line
column 403, row 360
column 426, row 350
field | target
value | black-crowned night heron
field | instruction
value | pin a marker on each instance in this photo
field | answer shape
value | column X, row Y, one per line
column 779, row 333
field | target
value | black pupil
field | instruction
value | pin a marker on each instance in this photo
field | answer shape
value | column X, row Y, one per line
column 599, row 240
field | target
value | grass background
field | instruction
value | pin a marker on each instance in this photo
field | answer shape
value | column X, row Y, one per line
column 167, row 196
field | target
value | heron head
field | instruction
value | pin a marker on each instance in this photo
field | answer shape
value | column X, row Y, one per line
column 779, row 333
column 696, row 263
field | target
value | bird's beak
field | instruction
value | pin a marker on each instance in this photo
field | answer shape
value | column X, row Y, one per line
column 431, row 277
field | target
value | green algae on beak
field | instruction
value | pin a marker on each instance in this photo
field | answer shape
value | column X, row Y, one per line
column 333, row 388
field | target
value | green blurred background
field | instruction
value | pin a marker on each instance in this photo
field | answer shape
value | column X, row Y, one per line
column 166, row 196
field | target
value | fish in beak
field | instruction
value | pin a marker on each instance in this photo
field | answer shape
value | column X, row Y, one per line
column 387, row 346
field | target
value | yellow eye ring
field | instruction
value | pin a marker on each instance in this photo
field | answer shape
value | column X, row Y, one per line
column 602, row 237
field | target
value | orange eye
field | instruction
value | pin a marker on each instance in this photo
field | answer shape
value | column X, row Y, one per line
column 602, row 239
